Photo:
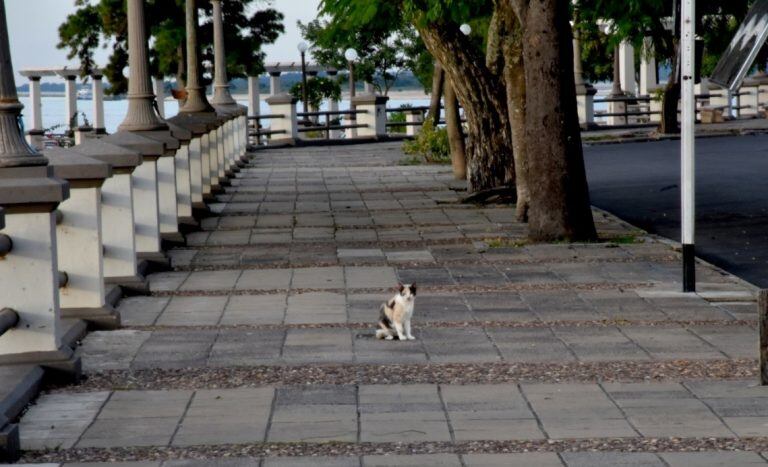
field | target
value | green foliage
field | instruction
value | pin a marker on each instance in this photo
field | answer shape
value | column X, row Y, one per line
column 430, row 143
column 399, row 117
column 318, row 88
column 103, row 23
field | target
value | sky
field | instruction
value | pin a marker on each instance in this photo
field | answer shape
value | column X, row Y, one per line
column 33, row 41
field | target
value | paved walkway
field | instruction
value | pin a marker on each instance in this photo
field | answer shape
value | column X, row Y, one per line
column 258, row 348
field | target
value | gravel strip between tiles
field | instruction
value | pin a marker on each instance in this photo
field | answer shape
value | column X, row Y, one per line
column 461, row 324
column 358, row 449
column 433, row 373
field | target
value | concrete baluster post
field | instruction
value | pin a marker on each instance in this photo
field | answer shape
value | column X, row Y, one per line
column 30, row 273
column 617, row 107
column 79, row 237
column 98, row 104
column 283, row 105
column 414, row 118
column 118, row 231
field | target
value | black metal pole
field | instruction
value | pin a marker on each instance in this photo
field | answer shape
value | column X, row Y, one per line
column 352, row 116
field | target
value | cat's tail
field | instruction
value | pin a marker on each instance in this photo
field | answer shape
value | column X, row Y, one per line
column 381, row 334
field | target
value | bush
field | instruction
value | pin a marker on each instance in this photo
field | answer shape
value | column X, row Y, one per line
column 398, row 117
column 430, row 143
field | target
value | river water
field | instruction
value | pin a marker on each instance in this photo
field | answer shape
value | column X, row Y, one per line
column 55, row 113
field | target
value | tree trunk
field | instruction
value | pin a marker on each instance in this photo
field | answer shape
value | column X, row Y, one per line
column 559, row 207
column 455, row 132
column 438, row 80
column 489, row 144
column 669, row 123
column 514, row 78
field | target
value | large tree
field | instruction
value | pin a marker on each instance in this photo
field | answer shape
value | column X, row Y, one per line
column 103, row 23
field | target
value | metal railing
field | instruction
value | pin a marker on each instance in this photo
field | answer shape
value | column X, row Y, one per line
column 257, row 132
column 308, row 125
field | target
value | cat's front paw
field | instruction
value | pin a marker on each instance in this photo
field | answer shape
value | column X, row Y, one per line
column 389, row 338
column 410, row 338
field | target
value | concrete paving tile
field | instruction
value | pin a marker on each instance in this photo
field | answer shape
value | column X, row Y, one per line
column 734, row 341
column 369, row 277
column 600, row 344
column 347, row 253
column 141, row 311
column 311, row 461
column 111, row 350
column 610, row 459
column 318, row 278
column 529, row 459
column 114, row 464
column 220, row 462
column 711, row 459
column 530, row 345
column 748, row 426
column 671, row 343
column 255, row 279
column 211, row 280
column 315, row 432
column 417, row 460
column 458, row 345
column 166, row 281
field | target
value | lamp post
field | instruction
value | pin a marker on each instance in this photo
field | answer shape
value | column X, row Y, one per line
column 351, row 55
column 303, row 51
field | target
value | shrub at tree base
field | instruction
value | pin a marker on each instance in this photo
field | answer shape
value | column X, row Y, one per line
column 430, row 143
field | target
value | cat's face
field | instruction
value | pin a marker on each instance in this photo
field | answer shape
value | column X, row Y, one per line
column 408, row 291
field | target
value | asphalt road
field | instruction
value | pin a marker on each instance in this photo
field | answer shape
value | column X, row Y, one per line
column 640, row 182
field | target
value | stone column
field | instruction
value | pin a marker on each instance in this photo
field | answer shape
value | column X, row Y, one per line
column 71, row 99
column 30, row 273
column 197, row 103
column 627, row 67
column 98, row 104
column 333, row 105
column 585, row 92
column 274, row 83
column 285, row 105
column 143, row 120
column 648, row 79
column 254, row 100
column 222, row 98
column 415, row 118
column 35, row 131
column 159, row 84
column 374, row 115
column 619, row 106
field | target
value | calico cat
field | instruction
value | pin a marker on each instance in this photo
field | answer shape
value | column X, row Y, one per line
column 395, row 314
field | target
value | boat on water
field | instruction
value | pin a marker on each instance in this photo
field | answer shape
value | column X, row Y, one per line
column 84, row 94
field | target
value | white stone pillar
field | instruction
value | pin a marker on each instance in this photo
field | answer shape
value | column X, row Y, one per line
column 98, row 104
column 648, row 78
column 414, row 118
column 196, row 172
column 159, row 86
column 118, row 232
column 285, row 105
column 167, row 200
column 213, row 159
column 374, row 115
column 254, row 99
column 627, row 67
column 274, row 83
column 35, row 131
column 71, row 101
column 205, row 163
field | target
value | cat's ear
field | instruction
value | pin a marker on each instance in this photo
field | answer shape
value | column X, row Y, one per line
column 413, row 289
column 400, row 287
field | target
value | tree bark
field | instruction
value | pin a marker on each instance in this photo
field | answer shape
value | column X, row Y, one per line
column 559, row 206
column 489, row 144
column 514, row 78
column 455, row 132
column 438, row 80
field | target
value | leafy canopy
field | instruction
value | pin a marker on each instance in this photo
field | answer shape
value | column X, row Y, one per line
column 103, row 23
